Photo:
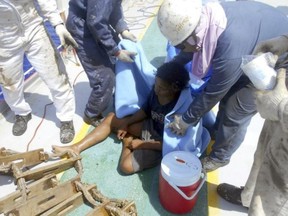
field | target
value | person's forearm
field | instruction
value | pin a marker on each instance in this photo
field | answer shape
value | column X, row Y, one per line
column 277, row 45
column 139, row 116
column 151, row 145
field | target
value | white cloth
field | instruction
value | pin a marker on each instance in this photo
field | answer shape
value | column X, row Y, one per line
column 22, row 32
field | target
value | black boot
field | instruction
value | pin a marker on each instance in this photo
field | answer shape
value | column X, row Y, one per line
column 20, row 125
column 230, row 193
column 94, row 121
column 67, row 131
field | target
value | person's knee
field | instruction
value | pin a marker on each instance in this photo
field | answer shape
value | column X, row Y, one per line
column 126, row 167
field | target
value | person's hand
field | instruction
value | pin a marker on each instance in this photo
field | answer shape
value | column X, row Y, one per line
column 65, row 37
column 178, row 126
column 135, row 144
column 126, row 56
column 268, row 101
column 277, row 46
column 122, row 131
column 126, row 34
column 121, row 134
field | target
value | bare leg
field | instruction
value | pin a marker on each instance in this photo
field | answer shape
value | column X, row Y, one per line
column 59, row 149
column 97, row 135
column 125, row 164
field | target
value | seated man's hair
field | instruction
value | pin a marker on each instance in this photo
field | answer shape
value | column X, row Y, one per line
column 173, row 73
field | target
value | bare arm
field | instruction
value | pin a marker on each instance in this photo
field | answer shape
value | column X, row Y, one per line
column 142, row 144
column 139, row 116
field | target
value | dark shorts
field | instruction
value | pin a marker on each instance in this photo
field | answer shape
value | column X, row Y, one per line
column 144, row 158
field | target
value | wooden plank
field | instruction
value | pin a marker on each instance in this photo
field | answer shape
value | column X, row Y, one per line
column 99, row 211
column 35, row 188
column 45, row 200
column 56, row 168
column 25, row 159
column 68, row 205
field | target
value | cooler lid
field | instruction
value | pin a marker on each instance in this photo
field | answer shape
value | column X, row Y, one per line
column 181, row 167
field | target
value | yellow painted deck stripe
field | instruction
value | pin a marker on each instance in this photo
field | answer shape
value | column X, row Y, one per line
column 148, row 23
column 213, row 201
column 212, row 182
column 82, row 133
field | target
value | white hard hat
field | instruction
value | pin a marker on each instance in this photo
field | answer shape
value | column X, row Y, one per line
column 177, row 19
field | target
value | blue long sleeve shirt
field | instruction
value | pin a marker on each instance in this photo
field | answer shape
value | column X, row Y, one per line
column 100, row 16
column 248, row 23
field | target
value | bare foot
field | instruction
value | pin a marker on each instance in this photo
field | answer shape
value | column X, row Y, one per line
column 61, row 149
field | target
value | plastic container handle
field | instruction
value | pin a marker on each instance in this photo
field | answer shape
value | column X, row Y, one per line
column 203, row 176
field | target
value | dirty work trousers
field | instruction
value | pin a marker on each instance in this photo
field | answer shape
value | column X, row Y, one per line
column 266, row 190
column 96, row 63
column 49, row 65
column 236, row 110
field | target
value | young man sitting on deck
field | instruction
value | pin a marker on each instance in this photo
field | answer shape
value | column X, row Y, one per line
column 141, row 132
